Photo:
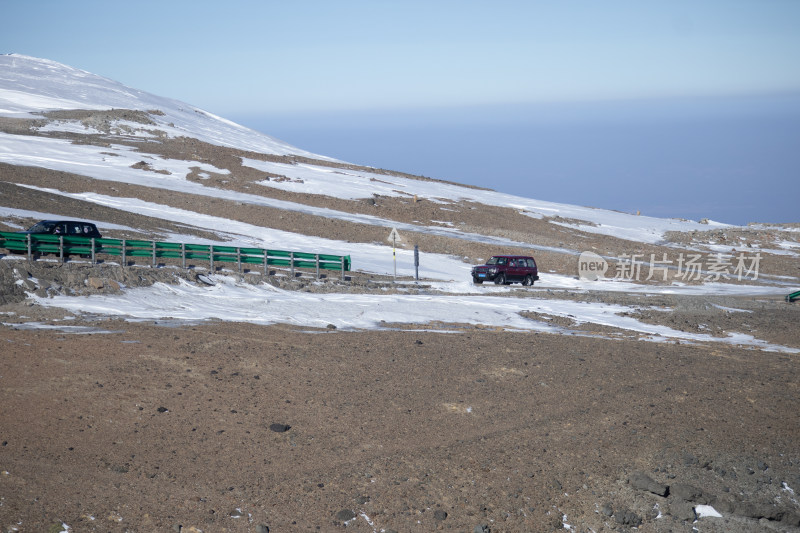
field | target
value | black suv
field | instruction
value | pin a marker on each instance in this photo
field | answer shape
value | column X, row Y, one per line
column 506, row 269
column 73, row 228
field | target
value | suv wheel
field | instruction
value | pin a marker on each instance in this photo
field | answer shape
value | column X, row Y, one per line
column 500, row 279
column 477, row 281
column 528, row 281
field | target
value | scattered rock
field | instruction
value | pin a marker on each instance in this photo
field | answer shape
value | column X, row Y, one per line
column 280, row 428
column 345, row 515
column 758, row 511
column 440, row 515
column 626, row 517
column 607, row 509
column 482, row 528
column 261, row 528
column 162, row 409
column 682, row 511
column 641, row 481
column 689, row 459
column 688, row 493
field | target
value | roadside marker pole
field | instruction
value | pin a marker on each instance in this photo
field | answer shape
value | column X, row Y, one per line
column 394, row 236
column 416, row 262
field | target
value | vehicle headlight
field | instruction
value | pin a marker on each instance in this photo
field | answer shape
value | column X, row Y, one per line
column 494, row 270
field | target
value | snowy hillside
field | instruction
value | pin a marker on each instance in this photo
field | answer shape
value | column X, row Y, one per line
column 31, row 85
column 76, row 145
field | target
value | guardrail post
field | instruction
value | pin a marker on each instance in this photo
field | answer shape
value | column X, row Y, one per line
column 211, row 258
column 93, row 251
column 342, row 268
column 316, row 257
column 124, row 256
column 291, row 263
column 266, row 262
column 61, row 247
column 154, row 253
column 183, row 255
column 239, row 259
column 30, row 252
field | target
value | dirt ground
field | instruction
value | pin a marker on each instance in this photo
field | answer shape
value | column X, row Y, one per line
column 237, row 427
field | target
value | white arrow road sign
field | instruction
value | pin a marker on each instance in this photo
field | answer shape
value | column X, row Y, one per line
column 394, row 236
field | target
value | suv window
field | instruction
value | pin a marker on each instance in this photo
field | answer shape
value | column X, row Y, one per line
column 42, row 227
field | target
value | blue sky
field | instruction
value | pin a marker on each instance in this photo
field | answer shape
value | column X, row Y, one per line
column 679, row 108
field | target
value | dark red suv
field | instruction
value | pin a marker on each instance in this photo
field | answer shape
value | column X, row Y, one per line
column 506, row 269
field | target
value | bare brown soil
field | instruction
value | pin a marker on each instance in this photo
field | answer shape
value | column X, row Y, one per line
column 146, row 428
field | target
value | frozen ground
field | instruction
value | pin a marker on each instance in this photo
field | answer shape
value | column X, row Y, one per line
column 229, row 300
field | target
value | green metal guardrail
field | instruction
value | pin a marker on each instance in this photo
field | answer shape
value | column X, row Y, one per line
column 34, row 244
column 792, row 297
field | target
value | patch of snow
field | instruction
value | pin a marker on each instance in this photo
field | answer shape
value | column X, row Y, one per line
column 94, row 162
column 265, row 304
column 30, row 85
column 731, row 309
column 704, row 511
column 75, row 330
column 727, row 249
column 352, row 184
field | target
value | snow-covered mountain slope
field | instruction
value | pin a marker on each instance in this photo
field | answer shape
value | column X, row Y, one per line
column 32, row 85
column 99, row 143
column 76, row 145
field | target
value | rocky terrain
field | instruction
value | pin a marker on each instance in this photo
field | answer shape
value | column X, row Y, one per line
column 112, row 425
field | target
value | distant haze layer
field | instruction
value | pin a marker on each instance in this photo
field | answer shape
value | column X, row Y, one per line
column 733, row 160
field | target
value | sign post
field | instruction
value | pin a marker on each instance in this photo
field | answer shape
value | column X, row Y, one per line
column 416, row 262
column 394, row 237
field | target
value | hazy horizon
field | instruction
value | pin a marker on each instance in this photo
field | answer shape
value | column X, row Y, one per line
column 732, row 159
